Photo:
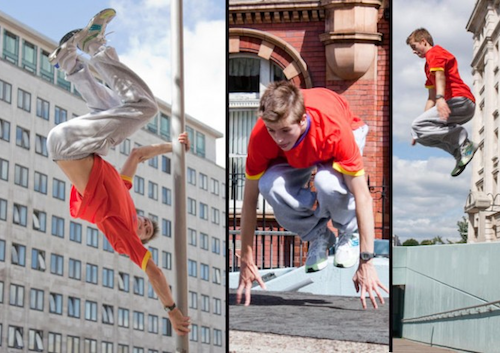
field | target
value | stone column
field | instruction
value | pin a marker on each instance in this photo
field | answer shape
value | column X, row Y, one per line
column 351, row 36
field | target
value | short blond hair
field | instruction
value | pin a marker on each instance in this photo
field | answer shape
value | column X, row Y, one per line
column 419, row 34
column 281, row 100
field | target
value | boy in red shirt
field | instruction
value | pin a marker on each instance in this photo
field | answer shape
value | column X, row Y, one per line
column 299, row 131
column 99, row 193
column 450, row 103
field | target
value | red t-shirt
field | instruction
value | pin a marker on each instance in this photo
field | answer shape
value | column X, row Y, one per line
column 107, row 203
column 439, row 59
column 329, row 138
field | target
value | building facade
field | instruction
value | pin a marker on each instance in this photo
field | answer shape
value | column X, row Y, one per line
column 483, row 202
column 340, row 45
column 62, row 287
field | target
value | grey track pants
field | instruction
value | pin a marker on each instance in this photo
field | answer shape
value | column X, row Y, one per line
column 432, row 131
column 284, row 189
column 115, row 113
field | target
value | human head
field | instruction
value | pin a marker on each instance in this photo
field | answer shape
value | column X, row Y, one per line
column 147, row 229
column 420, row 41
column 282, row 99
column 283, row 112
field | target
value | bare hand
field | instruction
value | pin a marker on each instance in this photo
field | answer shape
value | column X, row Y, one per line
column 366, row 280
column 248, row 273
column 443, row 109
column 180, row 323
column 184, row 139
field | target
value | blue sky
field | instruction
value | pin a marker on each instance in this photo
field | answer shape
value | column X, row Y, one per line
column 427, row 201
column 142, row 39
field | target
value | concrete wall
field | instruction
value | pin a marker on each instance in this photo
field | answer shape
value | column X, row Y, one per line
column 447, row 277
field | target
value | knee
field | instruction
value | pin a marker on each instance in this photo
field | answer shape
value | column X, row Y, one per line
column 270, row 184
column 56, row 140
column 330, row 182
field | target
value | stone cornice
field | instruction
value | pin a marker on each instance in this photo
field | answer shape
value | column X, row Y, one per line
column 257, row 12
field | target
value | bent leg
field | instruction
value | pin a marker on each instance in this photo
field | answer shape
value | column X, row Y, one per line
column 284, row 189
column 97, row 131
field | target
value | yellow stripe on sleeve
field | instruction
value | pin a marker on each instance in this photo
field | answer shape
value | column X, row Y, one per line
column 429, row 87
column 436, row 69
column 126, row 178
column 145, row 260
column 339, row 168
column 255, row 177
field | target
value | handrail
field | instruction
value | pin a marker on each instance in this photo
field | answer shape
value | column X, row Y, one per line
column 446, row 314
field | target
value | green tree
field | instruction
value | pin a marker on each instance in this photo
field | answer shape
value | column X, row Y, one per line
column 463, row 229
column 410, row 242
column 426, row 242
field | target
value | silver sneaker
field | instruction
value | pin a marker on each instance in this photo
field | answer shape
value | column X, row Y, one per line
column 317, row 257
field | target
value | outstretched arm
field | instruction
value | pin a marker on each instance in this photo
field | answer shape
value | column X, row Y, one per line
column 143, row 153
column 366, row 279
column 180, row 323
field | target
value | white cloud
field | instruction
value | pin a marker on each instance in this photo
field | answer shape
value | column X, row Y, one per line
column 145, row 39
column 427, row 201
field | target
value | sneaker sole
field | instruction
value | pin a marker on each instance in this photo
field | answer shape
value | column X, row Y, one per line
column 106, row 15
column 64, row 39
column 316, row 267
column 344, row 265
column 457, row 173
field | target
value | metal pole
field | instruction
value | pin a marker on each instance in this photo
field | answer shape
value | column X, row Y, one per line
column 178, row 160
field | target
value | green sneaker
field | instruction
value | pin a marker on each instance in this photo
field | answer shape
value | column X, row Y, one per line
column 317, row 257
column 467, row 151
column 91, row 37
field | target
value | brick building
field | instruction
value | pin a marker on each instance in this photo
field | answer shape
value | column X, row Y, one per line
column 340, row 45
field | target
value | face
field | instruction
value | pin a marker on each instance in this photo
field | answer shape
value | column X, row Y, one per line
column 419, row 48
column 286, row 132
column 144, row 228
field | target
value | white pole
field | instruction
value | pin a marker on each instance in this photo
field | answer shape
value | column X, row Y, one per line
column 179, row 167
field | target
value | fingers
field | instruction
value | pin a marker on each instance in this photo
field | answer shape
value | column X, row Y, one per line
column 362, row 297
column 239, row 292
column 247, row 294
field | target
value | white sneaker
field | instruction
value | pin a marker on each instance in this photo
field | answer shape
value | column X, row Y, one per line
column 347, row 250
column 91, row 38
column 317, row 257
column 65, row 56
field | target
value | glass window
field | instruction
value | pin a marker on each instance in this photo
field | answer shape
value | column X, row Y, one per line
column 15, row 337
column 20, row 215
column 190, row 133
column 153, row 162
column 193, row 335
column 18, row 254
column 5, row 91
column 108, row 278
column 40, row 183
column 4, row 130
column 166, row 196
column 138, row 321
column 23, row 100
column 217, row 338
column 191, row 176
column 29, row 56
column 152, row 323
column 36, row 299
column 217, row 306
column 91, row 274
column 123, row 317
column 204, row 241
column 192, row 237
column 216, row 277
column 166, row 327
column 90, row 345
column 74, row 307
column 165, row 164
column 4, row 169
column 215, row 245
column 193, row 300
column 42, row 108
column 167, row 260
column 16, row 297
column 58, row 226
column 123, row 282
column 72, row 344
column 75, row 269
column 38, row 260
column 2, row 253
column 56, row 264
column 191, row 206
column 125, row 147
column 21, row 176
column 55, row 340
column 46, row 68
column 153, row 124
column 90, row 311
column 75, row 232
column 22, row 138
column 35, row 340
column 92, row 237
column 214, row 186
column 106, row 246
column 60, row 115
column 200, row 144
column 152, row 190
column 215, row 215
column 55, row 303
column 203, row 211
column 192, row 268
column 41, row 145
column 11, row 47
column 244, row 75
column 58, row 189
column 138, row 285
column 166, row 228
column 205, row 303
column 139, row 185
column 107, row 314
column 203, row 181
column 62, row 82
column 205, row 334
column 204, row 270
column 165, row 126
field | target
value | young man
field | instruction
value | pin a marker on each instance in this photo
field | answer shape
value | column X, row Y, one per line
column 450, row 103
column 299, row 131
column 99, row 194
